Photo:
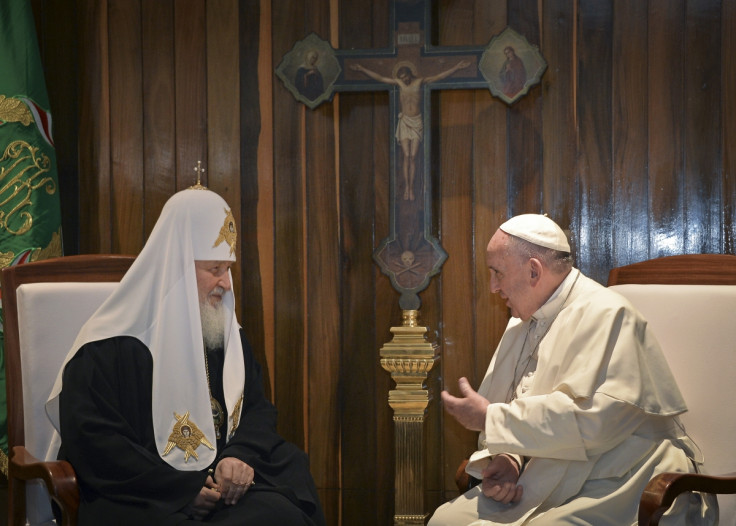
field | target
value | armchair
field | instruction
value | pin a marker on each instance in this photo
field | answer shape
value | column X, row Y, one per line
column 690, row 303
column 45, row 304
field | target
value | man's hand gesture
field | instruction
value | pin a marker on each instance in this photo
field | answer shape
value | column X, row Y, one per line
column 469, row 409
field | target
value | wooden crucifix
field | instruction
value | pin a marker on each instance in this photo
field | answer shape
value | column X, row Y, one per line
column 409, row 69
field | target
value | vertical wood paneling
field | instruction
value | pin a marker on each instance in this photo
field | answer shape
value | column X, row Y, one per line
column 159, row 132
column 191, row 91
column 94, row 129
column 362, row 116
column 630, row 190
column 593, row 228
column 256, row 187
column 360, row 367
column 666, row 99
column 323, row 279
column 385, row 301
column 524, row 141
column 728, row 121
column 289, row 271
column 126, row 129
column 702, row 185
column 558, row 113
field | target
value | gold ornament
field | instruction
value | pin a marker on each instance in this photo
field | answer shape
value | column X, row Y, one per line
column 187, row 437
column 236, row 417
column 228, row 232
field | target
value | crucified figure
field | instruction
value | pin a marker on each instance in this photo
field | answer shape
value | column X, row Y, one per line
column 410, row 128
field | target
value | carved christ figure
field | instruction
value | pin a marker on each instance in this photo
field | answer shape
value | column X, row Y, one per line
column 410, row 128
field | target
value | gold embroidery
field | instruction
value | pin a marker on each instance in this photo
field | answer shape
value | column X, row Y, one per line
column 6, row 258
column 53, row 249
column 187, row 437
column 235, row 417
column 228, row 233
column 14, row 110
column 18, row 181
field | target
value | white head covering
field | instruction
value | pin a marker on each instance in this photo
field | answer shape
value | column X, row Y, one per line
column 537, row 229
column 157, row 302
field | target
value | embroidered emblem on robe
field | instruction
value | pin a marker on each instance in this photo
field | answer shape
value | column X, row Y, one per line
column 228, row 233
column 187, row 437
column 236, row 417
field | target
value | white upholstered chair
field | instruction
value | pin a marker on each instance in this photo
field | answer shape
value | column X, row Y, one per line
column 45, row 304
column 690, row 303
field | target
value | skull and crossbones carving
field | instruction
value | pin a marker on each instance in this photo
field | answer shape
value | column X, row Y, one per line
column 408, row 260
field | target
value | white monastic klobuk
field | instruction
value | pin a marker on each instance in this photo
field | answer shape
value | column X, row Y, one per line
column 157, row 302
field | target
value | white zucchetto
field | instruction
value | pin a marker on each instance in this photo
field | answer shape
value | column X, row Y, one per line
column 537, row 229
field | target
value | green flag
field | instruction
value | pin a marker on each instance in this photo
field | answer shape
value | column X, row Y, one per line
column 30, row 212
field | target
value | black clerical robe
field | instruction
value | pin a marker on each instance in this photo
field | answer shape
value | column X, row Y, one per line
column 107, row 435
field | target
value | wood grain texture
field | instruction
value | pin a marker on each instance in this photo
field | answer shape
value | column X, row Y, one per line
column 702, row 183
column 94, row 130
column 126, row 129
column 592, row 221
column 289, row 230
column 629, row 124
column 665, row 99
column 159, row 107
column 728, row 120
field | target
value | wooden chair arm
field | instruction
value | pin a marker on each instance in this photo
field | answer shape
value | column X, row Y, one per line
column 58, row 475
column 662, row 490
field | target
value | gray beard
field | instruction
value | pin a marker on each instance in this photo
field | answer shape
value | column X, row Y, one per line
column 213, row 325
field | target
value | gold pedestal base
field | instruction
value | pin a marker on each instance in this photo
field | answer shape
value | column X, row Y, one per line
column 409, row 357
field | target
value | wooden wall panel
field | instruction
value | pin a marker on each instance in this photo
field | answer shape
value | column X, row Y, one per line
column 728, row 121
column 126, row 129
column 323, row 278
column 289, row 250
column 94, row 129
column 256, row 181
column 665, row 99
column 628, row 142
column 559, row 112
column 629, row 196
column 159, row 107
column 592, row 220
column 702, row 142
column 523, row 119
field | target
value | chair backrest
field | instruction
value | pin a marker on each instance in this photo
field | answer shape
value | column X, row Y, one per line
column 690, row 304
column 45, row 304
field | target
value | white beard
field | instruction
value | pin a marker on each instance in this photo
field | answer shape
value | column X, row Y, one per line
column 213, row 325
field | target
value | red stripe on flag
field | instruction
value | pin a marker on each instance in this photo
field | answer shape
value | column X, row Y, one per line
column 43, row 120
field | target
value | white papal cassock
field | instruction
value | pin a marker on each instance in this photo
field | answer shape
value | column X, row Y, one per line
column 582, row 394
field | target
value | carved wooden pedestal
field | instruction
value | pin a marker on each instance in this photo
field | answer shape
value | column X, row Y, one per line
column 409, row 358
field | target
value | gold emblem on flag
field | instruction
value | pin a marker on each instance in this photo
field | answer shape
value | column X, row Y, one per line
column 22, row 171
column 14, row 110
column 187, row 437
column 228, row 232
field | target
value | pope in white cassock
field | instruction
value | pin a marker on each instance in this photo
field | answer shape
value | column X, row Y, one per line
column 578, row 408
